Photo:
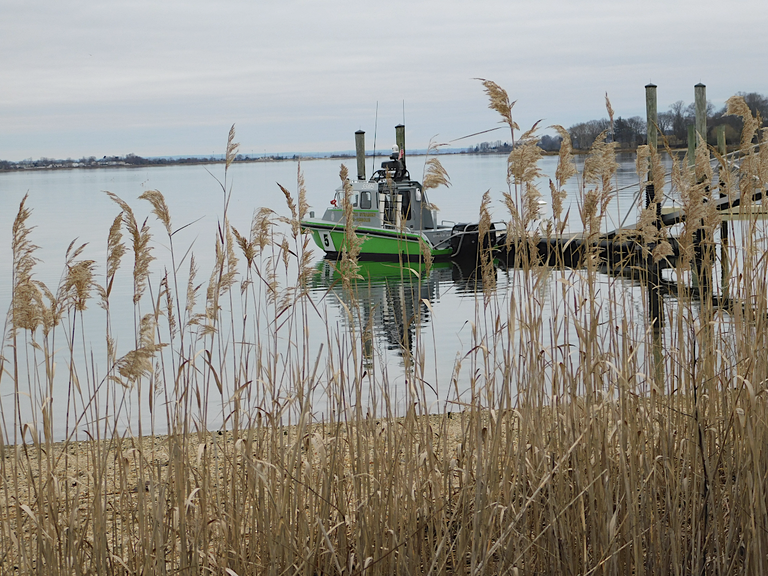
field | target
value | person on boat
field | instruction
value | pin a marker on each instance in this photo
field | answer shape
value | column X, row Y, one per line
column 395, row 163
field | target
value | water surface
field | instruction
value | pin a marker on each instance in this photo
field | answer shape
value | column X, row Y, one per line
column 437, row 312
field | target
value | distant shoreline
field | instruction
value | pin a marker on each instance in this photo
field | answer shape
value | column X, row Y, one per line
column 121, row 162
column 132, row 162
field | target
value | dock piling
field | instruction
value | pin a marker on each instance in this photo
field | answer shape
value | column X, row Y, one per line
column 691, row 145
column 700, row 95
column 652, row 199
column 702, row 243
column 725, row 268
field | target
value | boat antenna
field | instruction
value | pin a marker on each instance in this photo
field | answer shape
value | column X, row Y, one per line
column 475, row 134
column 375, row 128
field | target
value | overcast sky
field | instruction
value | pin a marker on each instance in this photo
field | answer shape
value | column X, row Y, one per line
column 86, row 77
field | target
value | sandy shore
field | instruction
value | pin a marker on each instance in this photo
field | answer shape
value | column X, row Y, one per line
column 118, row 465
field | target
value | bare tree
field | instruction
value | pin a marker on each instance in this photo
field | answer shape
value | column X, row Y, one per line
column 757, row 103
column 665, row 122
column 680, row 120
column 583, row 134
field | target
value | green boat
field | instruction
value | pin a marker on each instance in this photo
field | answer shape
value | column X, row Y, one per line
column 391, row 215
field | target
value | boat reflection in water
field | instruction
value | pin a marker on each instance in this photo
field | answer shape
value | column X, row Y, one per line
column 390, row 301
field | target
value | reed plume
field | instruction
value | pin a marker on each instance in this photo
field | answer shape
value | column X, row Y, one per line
column 192, row 318
column 348, row 267
column 138, row 362
column 159, row 208
column 142, row 256
column 650, row 170
column 115, row 253
column 303, row 249
column 609, row 110
column 426, row 256
column 261, row 228
column 294, row 220
column 78, row 280
column 736, row 106
column 435, row 175
column 566, row 169
column 165, row 293
column 498, row 100
column 247, row 247
column 223, row 275
column 647, row 224
column 600, row 166
column 232, row 148
column 27, row 297
column 523, row 171
column 522, row 198
column 485, row 246
column 681, row 181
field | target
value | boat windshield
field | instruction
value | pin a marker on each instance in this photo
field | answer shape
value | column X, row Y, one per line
column 340, row 199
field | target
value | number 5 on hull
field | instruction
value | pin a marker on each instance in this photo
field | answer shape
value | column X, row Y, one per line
column 327, row 241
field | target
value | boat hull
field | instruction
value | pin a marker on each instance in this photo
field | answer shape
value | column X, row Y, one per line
column 377, row 243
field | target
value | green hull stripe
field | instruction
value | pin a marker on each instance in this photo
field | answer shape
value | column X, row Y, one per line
column 332, row 239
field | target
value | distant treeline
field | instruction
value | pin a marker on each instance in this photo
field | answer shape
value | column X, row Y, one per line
column 673, row 124
column 631, row 132
column 546, row 142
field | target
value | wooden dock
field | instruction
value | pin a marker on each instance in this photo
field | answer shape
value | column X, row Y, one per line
column 625, row 251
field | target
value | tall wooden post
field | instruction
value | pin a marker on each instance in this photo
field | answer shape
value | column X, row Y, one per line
column 721, row 140
column 652, row 116
column 725, row 265
column 702, row 246
column 700, row 94
column 652, row 197
column 652, row 120
column 691, row 145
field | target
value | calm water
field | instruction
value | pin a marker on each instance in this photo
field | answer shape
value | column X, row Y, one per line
column 71, row 205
